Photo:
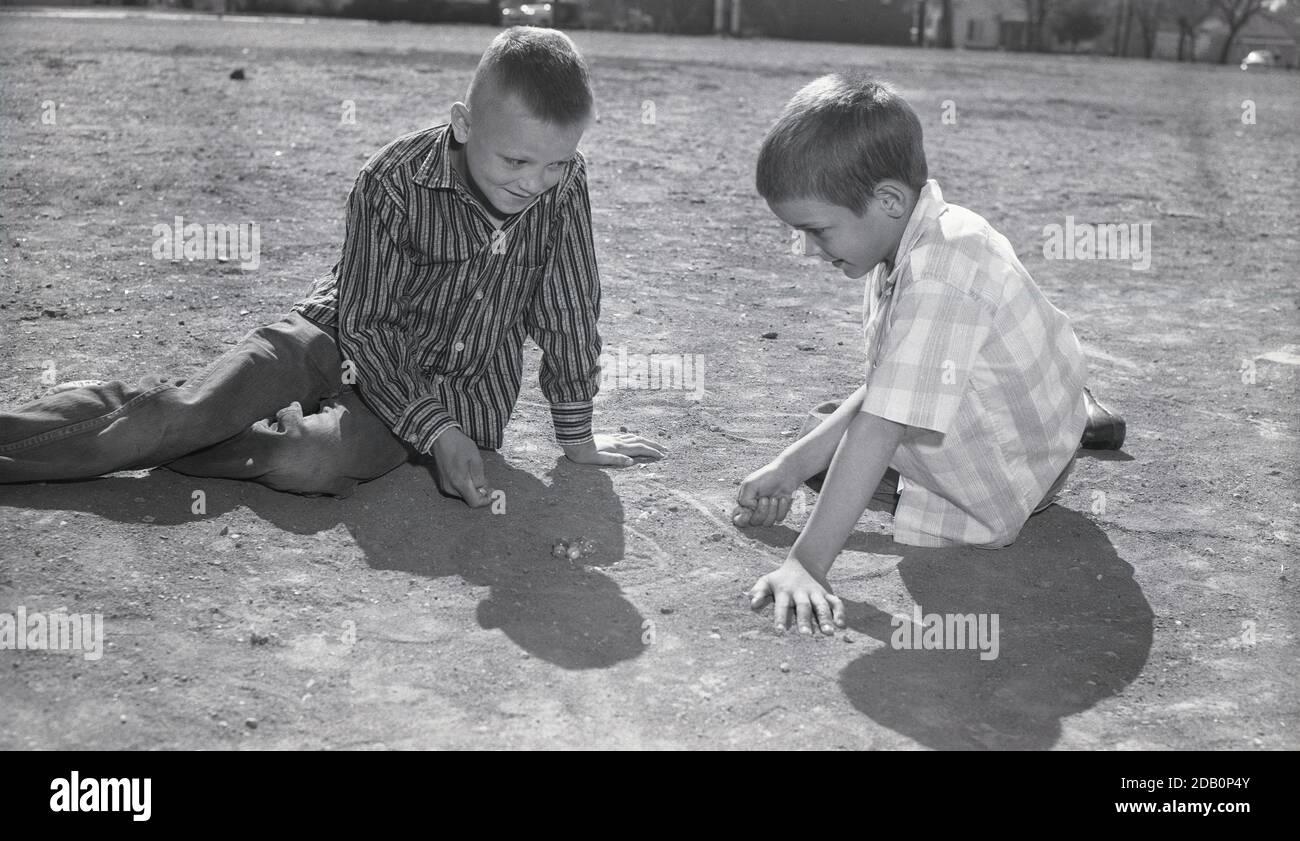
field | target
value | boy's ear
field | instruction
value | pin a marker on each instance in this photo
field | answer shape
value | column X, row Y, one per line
column 460, row 122
column 893, row 198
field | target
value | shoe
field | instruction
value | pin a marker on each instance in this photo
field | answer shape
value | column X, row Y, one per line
column 69, row 386
column 1104, row 430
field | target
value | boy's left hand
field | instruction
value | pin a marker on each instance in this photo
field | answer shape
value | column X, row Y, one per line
column 795, row 586
column 614, row 450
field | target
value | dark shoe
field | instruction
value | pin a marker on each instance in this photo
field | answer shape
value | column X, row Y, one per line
column 1104, row 430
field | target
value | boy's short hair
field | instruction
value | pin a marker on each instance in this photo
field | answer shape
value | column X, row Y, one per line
column 543, row 68
column 837, row 139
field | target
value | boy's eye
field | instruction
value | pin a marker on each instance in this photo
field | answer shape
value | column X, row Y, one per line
column 515, row 162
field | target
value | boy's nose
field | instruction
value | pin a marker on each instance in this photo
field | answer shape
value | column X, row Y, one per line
column 535, row 184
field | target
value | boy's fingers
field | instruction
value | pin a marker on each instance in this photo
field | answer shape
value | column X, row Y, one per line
column 740, row 516
column 782, row 610
column 823, row 611
column 640, row 450
column 769, row 509
column 638, row 441
column 468, row 491
column 837, row 610
column 747, row 496
column 759, row 594
column 783, row 509
column 476, row 472
column 290, row 416
column 803, row 613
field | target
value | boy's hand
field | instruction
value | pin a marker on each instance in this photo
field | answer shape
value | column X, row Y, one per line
column 614, row 450
column 460, row 468
column 810, row 596
column 765, row 495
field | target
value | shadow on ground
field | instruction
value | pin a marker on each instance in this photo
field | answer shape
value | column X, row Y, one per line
column 569, row 614
column 1074, row 629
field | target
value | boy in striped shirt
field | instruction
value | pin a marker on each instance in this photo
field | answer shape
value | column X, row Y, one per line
column 973, row 404
column 462, row 241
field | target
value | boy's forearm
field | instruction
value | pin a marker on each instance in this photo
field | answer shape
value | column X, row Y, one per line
column 811, row 454
column 857, row 468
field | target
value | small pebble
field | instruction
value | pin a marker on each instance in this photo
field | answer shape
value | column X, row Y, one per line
column 250, row 723
column 225, row 530
column 785, row 667
column 664, row 610
column 622, row 429
column 771, row 334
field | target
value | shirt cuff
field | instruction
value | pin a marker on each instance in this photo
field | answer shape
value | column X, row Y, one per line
column 422, row 422
column 572, row 422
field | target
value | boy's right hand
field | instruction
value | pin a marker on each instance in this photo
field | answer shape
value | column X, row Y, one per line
column 460, row 468
column 765, row 495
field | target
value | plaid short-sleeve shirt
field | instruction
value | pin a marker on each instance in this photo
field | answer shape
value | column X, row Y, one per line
column 987, row 375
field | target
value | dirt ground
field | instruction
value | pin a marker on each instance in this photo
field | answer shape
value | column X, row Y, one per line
column 1155, row 607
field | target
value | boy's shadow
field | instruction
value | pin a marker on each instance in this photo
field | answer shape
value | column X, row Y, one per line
column 568, row 613
column 1074, row 629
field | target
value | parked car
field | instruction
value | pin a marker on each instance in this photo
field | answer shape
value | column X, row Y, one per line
column 1260, row 58
column 568, row 15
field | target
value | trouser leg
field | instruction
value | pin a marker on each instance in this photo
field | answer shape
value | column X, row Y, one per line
column 325, row 452
column 93, row 430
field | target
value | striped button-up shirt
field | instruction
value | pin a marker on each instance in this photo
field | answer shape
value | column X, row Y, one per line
column 987, row 375
column 433, row 302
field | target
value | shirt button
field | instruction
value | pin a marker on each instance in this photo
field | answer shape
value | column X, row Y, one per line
column 460, row 346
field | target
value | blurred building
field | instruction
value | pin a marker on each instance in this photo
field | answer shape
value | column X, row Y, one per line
column 860, row 21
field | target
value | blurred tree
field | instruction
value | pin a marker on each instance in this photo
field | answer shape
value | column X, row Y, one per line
column 1077, row 20
column 1036, row 15
column 945, row 25
column 1236, row 14
column 1149, row 14
column 1186, row 15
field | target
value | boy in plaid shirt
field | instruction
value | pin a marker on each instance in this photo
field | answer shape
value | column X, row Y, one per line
column 973, row 405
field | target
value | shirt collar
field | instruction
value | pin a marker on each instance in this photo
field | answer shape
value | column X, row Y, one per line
column 929, row 207
column 435, row 172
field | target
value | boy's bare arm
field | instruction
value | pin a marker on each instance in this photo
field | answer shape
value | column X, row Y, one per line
column 859, row 464
column 765, row 496
column 856, row 470
column 812, row 453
